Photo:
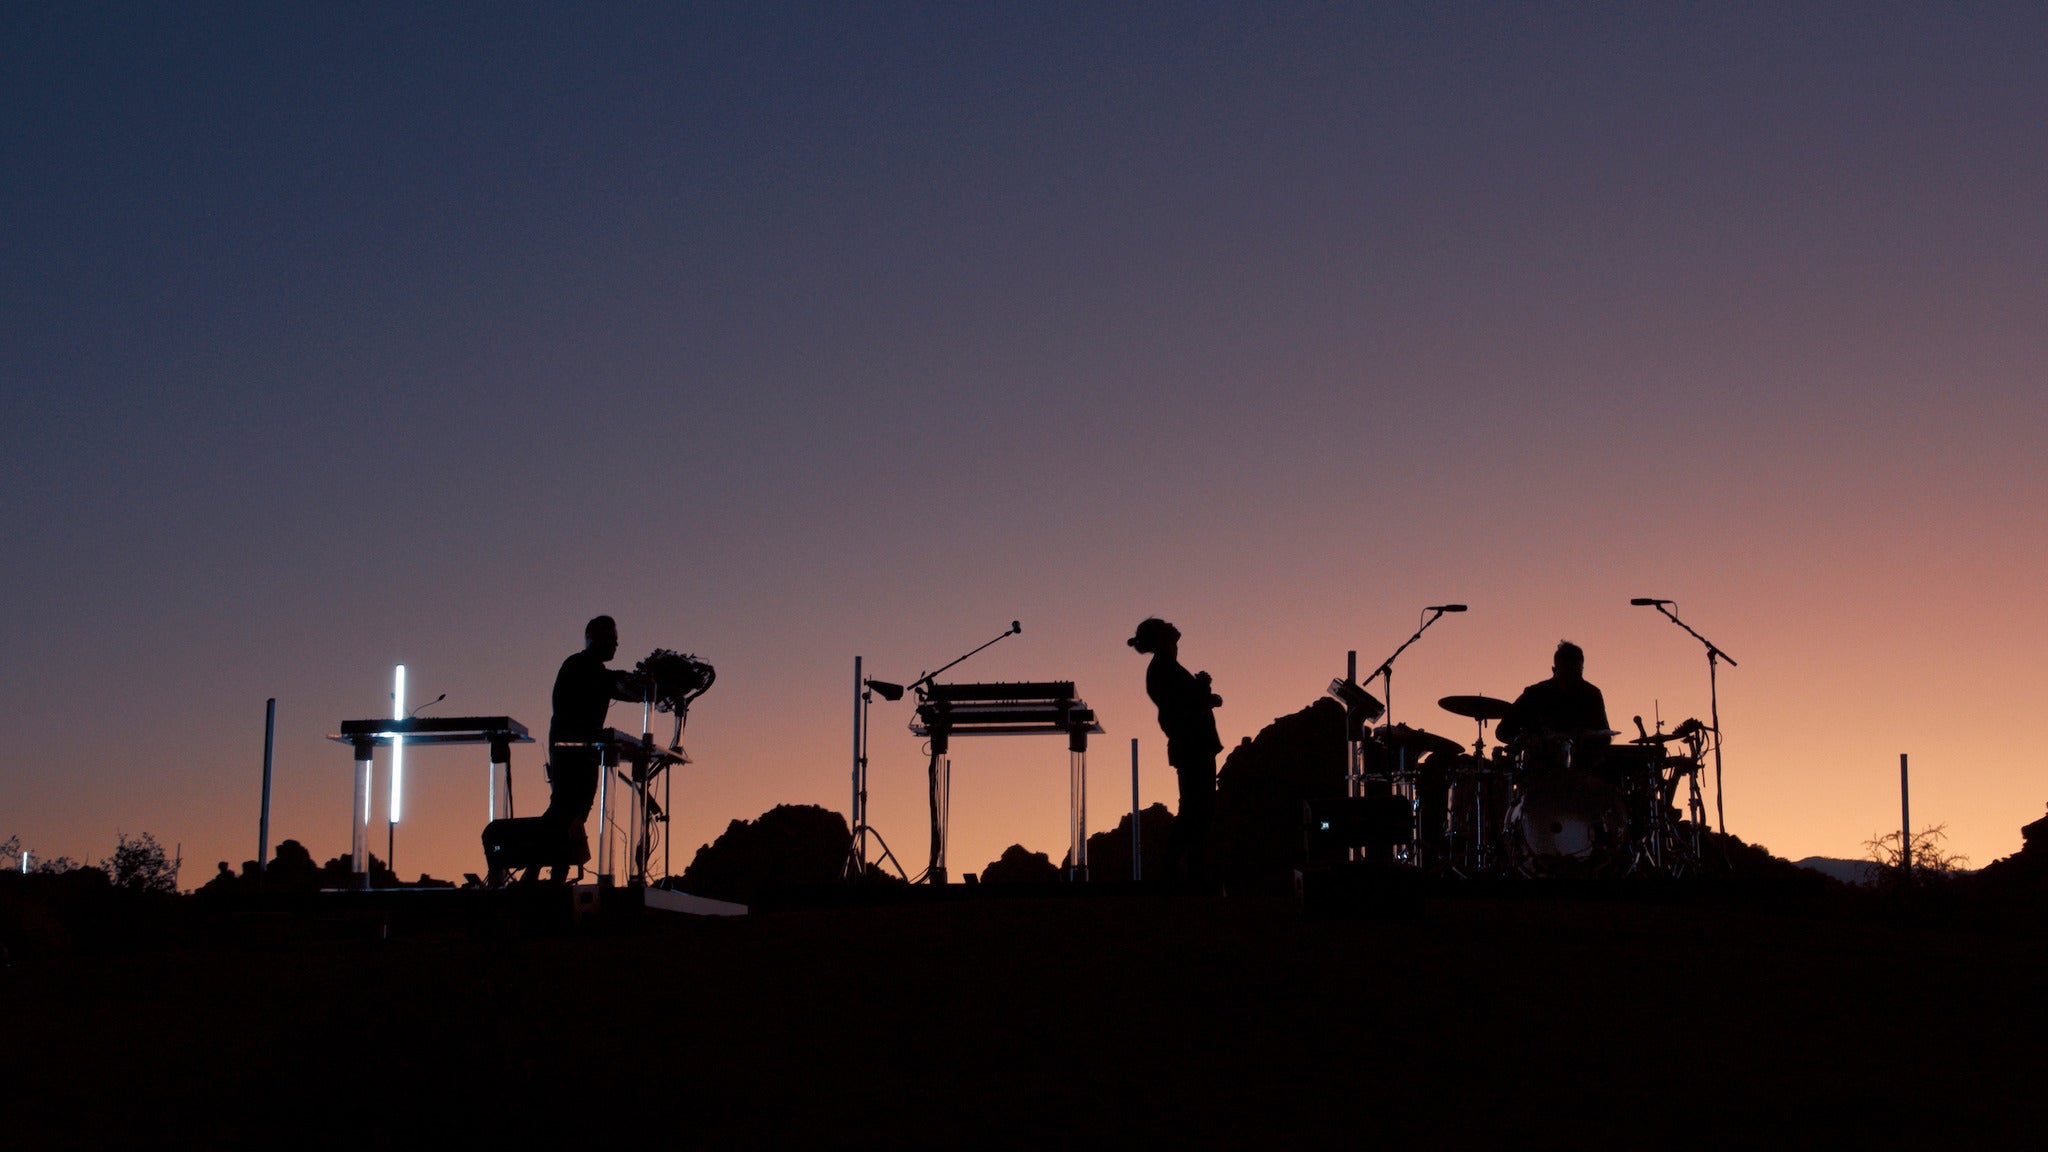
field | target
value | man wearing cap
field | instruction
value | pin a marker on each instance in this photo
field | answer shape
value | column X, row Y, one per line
column 1187, row 715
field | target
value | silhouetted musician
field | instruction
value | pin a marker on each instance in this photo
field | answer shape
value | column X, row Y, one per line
column 1564, row 705
column 1187, row 715
column 584, row 691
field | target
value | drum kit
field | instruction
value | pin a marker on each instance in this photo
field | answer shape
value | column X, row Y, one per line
column 1574, row 804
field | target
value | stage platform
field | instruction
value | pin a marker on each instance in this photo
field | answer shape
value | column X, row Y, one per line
column 544, row 908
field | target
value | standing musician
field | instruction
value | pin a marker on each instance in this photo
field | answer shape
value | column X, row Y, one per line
column 1187, row 715
column 584, row 691
column 1565, row 705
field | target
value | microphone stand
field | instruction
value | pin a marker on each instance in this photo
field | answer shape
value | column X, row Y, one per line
column 1386, row 670
column 1714, row 656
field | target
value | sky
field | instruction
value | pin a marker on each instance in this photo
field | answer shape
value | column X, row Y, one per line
column 333, row 337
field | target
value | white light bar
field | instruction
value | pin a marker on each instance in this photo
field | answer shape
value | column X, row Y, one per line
column 397, row 742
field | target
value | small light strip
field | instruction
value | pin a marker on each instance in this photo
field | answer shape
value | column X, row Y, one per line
column 397, row 743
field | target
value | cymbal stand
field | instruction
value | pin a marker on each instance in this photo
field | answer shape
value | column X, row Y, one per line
column 1714, row 656
column 1480, row 853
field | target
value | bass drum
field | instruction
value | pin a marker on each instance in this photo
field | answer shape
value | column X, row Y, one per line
column 1566, row 829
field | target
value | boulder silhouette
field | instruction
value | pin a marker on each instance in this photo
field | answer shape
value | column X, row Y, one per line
column 789, row 844
column 2022, row 876
column 292, row 869
column 1109, row 853
column 1020, row 865
column 1260, row 791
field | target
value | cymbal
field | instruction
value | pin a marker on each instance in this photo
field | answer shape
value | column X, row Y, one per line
column 1416, row 741
column 1664, row 738
column 1476, row 707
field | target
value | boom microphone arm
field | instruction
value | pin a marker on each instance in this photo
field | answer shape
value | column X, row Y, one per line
column 925, row 681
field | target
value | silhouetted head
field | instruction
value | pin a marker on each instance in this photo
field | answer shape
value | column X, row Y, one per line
column 601, row 637
column 1155, row 635
column 1569, row 663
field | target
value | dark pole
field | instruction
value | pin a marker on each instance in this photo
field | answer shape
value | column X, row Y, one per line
column 1905, row 822
column 1714, row 711
column 263, row 825
column 1137, row 853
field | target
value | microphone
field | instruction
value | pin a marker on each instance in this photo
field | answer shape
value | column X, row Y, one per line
column 1640, row 730
column 1445, row 608
column 1016, row 627
column 1646, row 602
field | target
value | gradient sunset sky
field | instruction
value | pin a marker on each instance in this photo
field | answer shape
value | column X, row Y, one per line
column 343, row 335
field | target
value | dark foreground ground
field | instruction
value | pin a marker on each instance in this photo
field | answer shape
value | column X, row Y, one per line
column 1025, row 1022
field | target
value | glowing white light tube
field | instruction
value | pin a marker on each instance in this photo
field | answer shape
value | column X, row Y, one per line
column 397, row 742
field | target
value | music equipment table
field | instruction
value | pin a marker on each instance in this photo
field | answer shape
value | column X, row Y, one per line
column 365, row 736
column 1032, row 708
column 648, row 760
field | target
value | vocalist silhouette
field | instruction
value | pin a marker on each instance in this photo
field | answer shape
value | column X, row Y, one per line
column 1187, row 715
column 584, row 691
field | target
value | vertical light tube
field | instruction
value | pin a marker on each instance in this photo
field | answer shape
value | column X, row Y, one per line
column 397, row 742
column 1077, row 781
column 359, row 835
column 607, row 763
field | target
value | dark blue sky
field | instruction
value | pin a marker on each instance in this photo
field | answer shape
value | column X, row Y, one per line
column 338, row 335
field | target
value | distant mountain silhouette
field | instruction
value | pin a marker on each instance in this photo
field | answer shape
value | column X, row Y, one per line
column 1847, row 871
column 789, row 844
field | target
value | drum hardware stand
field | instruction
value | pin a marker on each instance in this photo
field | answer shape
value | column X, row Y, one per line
column 856, row 864
column 671, row 681
column 1714, row 656
column 1480, row 853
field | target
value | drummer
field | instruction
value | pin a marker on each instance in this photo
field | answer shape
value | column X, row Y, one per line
column 1565, row 705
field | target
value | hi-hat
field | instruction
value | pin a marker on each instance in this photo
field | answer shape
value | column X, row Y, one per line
column 1416, row 741
column 1476, row 707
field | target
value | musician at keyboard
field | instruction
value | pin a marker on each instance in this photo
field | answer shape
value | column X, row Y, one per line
column 1187, row 715
column 583, row 693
